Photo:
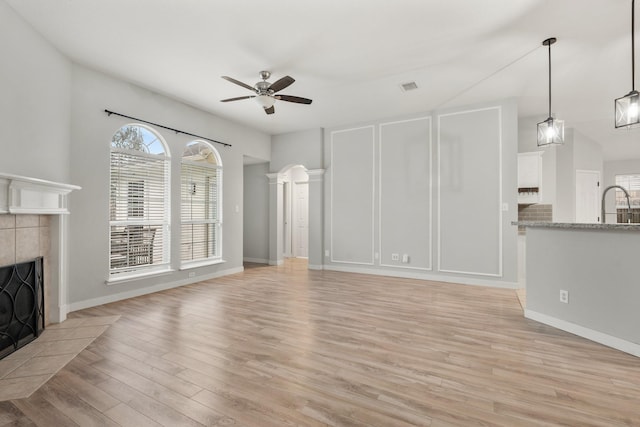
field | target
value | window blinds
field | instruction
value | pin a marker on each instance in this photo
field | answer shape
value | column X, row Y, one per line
column 139, row 211
column 632, row 184
column 201, row 225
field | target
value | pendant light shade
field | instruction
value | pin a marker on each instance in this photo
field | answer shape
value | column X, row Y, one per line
column 627, row 107
column 550, row 131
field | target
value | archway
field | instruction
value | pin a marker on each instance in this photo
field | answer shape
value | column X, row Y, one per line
column 282, row 187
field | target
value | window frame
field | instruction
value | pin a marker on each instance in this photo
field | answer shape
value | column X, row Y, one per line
column 215, row 220
column 130, row 212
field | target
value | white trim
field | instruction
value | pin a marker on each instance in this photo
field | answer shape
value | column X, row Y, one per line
column 276, row 262
column 433, row 277
column 161, row 270
column 315, row 174
column 200, row 263
column 373, row 195
column 581, row 331
column 256, row 260
column 23, row 195
column 500, row 195
column 58, row 313
column 315, row 267
column 81, row 305
column 430, row 155
column 405, row 267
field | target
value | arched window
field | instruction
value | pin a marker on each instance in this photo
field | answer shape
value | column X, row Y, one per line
column 201, row 204
column 139, row 204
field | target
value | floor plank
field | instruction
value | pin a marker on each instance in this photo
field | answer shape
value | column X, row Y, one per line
column 278, row 346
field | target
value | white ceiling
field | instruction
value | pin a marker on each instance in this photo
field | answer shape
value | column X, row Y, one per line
column 350, row 57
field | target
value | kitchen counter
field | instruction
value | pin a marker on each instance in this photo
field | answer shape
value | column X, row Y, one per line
column 596, row 264
column 577, row 226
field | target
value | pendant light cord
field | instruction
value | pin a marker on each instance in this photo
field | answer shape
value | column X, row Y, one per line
column 633, row 45
column 550, row 78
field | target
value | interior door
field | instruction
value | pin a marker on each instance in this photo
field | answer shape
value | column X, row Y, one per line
column 587, row 196
column 301, row 220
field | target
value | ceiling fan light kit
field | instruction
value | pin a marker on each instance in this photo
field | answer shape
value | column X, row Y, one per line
column 551, row 130
column 265, row 92
column 626, row 107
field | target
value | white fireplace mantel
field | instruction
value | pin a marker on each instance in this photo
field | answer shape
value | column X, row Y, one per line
column 23, row 195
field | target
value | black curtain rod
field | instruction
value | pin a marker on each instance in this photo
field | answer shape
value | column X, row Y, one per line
column 166, row 127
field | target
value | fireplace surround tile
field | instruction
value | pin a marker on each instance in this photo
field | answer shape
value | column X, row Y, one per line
column 27, row 243
column 18, row 388
column 7, row 221
column 7, row 246
column 29, row 368
column 26, row 221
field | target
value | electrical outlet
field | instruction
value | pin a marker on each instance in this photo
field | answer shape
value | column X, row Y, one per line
column 395, row 257
column 564, row 296
column 375, row 255
column 192, row 274
column 326, row 253
column 405, row 258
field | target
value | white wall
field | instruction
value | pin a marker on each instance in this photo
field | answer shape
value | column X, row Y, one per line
column 256, row 213
column 297, row 148
column 579, row 152
column 564, row 209
column 470, row 166
column 91, row 132
column 35, row 83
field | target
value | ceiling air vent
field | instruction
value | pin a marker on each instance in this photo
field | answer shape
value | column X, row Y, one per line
column 406, row 87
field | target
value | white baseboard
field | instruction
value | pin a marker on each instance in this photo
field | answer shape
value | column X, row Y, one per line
column 81, row 305
column 434, row 277
column 277, row 262
column 256, row 260
column 315, row 267
column 581, row 331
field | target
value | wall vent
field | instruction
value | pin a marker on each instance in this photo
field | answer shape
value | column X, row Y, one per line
column 406, row 87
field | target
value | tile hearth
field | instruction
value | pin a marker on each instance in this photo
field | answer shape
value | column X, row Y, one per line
column 26, row 370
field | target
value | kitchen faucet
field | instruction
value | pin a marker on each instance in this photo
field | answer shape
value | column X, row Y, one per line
column 626, row 194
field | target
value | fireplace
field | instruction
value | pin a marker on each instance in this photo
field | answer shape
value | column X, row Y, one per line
column 21, row 305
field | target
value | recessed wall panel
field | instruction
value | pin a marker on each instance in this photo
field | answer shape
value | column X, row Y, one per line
column 405, row 193
column 469, row 192
column 352, row 187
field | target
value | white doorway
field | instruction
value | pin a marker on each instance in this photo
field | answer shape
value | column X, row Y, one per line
column 587, row 196
column 301, row 220
column 295, row 208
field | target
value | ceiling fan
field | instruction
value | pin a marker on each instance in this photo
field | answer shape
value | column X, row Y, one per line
column 265, row 92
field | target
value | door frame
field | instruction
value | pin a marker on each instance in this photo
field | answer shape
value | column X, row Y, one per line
column 598, row 174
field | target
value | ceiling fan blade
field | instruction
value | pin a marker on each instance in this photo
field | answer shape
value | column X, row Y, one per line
column 238, row 98
column 239, row 83
column 295, row 99
column 270, row 110
column 284, row 82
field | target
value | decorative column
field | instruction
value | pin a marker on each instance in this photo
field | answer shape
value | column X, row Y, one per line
column 316, row 219
column 276, row 184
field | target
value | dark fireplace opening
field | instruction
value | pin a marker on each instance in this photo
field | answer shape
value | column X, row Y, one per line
column 21, row 305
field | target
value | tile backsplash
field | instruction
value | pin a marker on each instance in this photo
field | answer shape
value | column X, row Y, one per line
column 537, row 212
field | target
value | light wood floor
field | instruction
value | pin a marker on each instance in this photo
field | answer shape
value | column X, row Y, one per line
column 282, row 346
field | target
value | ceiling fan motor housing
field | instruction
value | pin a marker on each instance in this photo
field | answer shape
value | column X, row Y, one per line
column 263, row 88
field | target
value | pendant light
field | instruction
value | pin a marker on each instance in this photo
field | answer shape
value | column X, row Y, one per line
column 627, row 113
column 550, row 131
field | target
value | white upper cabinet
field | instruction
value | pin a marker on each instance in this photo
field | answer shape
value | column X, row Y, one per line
column 529, row 177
